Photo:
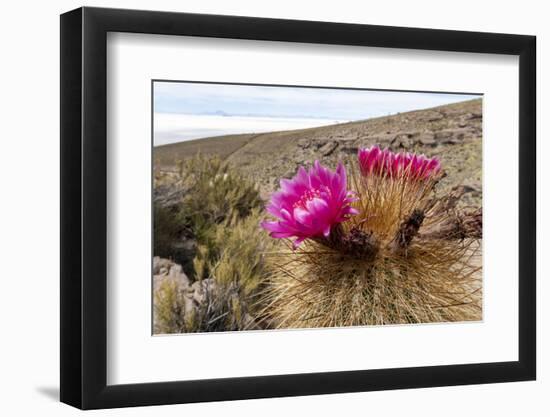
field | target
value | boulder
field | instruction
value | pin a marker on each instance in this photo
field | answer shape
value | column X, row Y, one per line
column 443, row 134
column 403, row 140
column 160, row 263
column 166, row 270
column 328, row 148
column 472, row 116
column 382, row 138
column 177, row 274
column 451, row 135
column 426, row 139
column 304, row 143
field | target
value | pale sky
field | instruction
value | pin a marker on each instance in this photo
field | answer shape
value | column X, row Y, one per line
column 185, row 111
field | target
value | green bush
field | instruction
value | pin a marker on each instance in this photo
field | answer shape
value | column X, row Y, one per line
column 221, row 212
column 216, row 192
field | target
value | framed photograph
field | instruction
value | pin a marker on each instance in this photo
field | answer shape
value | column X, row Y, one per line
column 258, row 208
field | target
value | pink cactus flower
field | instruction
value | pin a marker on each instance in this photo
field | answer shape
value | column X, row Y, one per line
column 310, row 204
column 374, row 161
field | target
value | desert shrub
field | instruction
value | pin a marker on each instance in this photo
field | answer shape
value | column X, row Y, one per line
column 213, row 193
column 216, row 192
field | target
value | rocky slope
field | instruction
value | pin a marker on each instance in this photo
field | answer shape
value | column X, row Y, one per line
column 452, row 132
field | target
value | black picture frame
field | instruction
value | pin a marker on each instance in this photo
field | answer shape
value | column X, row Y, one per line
column 84, row 207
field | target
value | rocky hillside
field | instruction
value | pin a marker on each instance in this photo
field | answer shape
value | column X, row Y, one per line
column 452, row 132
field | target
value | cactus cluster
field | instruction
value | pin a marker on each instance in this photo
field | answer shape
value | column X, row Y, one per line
column 402, row 254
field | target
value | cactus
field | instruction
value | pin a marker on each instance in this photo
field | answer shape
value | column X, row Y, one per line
column 405, row 256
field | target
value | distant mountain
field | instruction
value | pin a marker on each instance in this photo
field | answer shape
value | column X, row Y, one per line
column 219, row 113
